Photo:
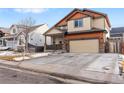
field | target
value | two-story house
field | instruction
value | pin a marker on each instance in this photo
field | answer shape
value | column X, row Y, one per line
column 3, row 32
column 80, row 31
column 11, row 39
column 35, row 37
column 34, row 34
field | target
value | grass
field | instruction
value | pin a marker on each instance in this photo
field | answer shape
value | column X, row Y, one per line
column 8, row 58
column 11, row 57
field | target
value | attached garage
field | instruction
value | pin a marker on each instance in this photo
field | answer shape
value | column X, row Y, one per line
column 84, row 46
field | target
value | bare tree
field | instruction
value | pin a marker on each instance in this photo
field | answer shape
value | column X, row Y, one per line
column 27, row 23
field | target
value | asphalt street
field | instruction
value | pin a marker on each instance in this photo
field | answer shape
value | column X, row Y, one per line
column 18, row 76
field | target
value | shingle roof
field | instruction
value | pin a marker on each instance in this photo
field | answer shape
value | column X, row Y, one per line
column 32, row 28
column 117, row 32
column 85, row 11
column 24, row 28
column 4, row 30
column 86, row 31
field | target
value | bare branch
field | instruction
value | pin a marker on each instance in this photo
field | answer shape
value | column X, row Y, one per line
column 29, row 21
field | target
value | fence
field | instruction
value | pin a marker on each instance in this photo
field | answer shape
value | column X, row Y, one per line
column 54, row 47
column 115, row 45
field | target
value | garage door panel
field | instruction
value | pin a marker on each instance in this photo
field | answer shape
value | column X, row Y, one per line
column 86, row 46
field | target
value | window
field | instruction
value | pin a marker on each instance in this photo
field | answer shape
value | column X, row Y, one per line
column 78, row 23
column 0, row 42
column 60, row 42
column 14, row 31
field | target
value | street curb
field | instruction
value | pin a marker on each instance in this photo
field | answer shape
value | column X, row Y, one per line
column 64, row 76
column 61, row 75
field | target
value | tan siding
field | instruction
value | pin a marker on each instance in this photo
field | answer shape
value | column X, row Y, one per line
column 86, row 25
column 107, row 28
column 99, row 23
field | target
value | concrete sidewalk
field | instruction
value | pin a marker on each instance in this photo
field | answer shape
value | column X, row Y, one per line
column 94, row 68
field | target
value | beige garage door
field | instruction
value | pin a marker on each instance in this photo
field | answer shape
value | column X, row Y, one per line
column 84, row 46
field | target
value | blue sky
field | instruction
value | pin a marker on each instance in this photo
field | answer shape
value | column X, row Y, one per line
column 50, row 16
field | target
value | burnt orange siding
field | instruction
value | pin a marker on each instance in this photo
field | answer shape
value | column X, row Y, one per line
column 74, row 15
column 95, row 15
column 85, row 35
column 77, row 15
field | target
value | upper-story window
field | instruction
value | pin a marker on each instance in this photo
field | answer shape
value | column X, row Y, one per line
column 14, row 31
column 78, row 23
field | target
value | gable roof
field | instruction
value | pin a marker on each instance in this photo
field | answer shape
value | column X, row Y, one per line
column 95, row 15
column 85, row 11
column 32, row 28
column 117, row 30
column 4, row 30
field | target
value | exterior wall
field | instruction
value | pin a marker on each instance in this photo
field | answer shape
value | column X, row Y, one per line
column 86, row 25
column 57, row 40
column 107, row 28
column 37, row 38
column 11, row 30
column 74, row 15
column 95, row 35
column 11, row 44
column 99, row 23
column 22, row 37
column 86, row 35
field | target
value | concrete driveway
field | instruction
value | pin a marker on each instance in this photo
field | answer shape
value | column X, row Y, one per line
column 99, row 68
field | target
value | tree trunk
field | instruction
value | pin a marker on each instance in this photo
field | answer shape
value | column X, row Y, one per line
column 26, row 43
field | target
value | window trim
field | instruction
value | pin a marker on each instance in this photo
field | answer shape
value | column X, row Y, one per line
column 79, row 20
column 14, row 30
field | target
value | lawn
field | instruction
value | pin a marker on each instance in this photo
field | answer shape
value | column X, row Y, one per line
column 8, row 58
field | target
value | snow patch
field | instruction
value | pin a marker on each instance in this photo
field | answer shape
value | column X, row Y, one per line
column 20, row 58
column 39, row 55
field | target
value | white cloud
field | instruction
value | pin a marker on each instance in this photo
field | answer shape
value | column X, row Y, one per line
column 30, row 10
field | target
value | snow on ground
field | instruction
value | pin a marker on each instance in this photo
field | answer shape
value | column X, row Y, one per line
column 31, row 56
column 121, row 57
column 39, row 55
column 3, row 48
column 20, row 58
column 7, row 53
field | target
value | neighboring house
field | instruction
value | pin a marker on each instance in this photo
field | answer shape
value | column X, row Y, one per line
column 36, row 39
column 117, row 32
column 3, row 32
column 116, row 40
column 80, row 31
column 18, row 33
column 11, row 39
